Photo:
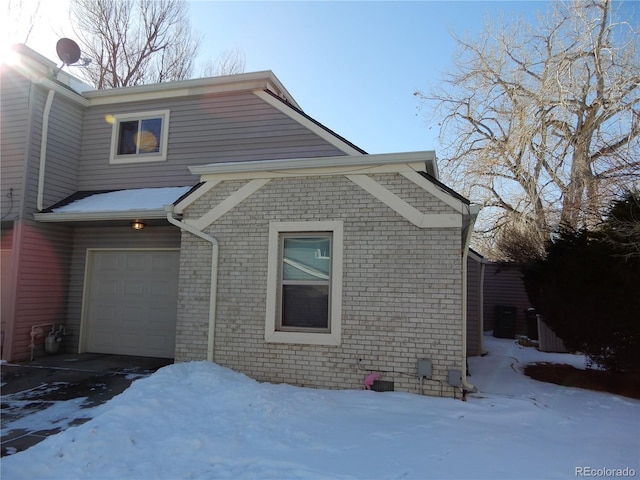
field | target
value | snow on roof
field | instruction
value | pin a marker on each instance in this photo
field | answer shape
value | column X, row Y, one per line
column 125, row 200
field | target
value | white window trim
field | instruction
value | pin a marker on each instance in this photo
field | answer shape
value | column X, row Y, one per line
column 272, row 335
column 161, row 156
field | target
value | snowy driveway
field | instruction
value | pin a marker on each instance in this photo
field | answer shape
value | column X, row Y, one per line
column 46, row 396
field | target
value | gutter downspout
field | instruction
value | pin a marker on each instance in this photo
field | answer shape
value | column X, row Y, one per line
column 470, row 219
column 43, row 148
column 214, row 274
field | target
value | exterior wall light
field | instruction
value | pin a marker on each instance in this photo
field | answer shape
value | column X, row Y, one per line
column 138, row 225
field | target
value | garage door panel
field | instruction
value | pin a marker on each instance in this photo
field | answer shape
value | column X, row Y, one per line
column 106, row 288
column 161, row 288
column 161, row 264
column 103, row 333
column 132, row 316
column 133, row 303
column 133, row 288
column 108, row 262
column 155, row 321
column 134, row 264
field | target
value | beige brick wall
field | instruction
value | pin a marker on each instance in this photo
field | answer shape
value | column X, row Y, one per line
column 402, row 287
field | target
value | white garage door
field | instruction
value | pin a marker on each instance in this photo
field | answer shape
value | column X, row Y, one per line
column 132, row 302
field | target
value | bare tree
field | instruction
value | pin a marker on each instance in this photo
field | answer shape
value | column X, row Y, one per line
column 133, row 42
column 230, row 62
column 541, row 123
column 19, row 19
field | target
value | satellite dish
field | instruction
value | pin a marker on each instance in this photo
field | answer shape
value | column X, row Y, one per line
column 68, row 51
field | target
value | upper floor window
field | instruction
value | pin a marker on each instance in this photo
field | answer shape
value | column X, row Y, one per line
column 140, row 137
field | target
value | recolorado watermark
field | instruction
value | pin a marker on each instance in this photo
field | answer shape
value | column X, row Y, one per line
column 605, row 472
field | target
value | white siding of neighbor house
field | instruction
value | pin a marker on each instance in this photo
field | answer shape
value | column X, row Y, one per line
column 203, row 129
column 402, row 287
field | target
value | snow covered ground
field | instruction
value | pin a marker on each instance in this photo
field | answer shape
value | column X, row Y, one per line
column 201, row 421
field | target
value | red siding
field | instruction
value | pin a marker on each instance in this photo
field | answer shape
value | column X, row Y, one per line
column 42, row 283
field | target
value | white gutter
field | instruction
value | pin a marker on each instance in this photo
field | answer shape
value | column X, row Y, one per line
column 353, row 161
column 473, row 211
column 54, row 217
column 43, row 148
column 214, row 274
column 243, row 82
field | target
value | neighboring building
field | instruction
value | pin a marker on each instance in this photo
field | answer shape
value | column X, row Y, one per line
column 261, row 240
column 475, row 303
column 504, row 287
column 496, row 294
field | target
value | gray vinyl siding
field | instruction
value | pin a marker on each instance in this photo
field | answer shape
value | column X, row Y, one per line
column 63, row 147
column 503, row 286
column 203, row 129
column 14, row 131
column 106, row 237
column 474, row 303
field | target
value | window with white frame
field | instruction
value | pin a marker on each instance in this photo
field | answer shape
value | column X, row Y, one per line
column 304, row 290
column 140, row 137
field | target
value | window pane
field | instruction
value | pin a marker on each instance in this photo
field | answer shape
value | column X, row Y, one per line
column 127, row 137
column 139, row 136
column 305, row 306
column 306, row 258
column 149, row 141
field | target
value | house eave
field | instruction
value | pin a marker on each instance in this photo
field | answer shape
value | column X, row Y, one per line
column 130, row 215
column 249, row 82
column 340, row 163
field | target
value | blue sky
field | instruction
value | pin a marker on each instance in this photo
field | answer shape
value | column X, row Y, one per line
column 353, row 66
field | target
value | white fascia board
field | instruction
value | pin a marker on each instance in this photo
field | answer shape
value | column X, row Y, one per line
column 476, row 256
column 99, row 216
column 39, row 70
column 315, row 172
column 65, row 92
column 44, row 82
column 304, row 121
column 354, row 162
column 213, row 85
